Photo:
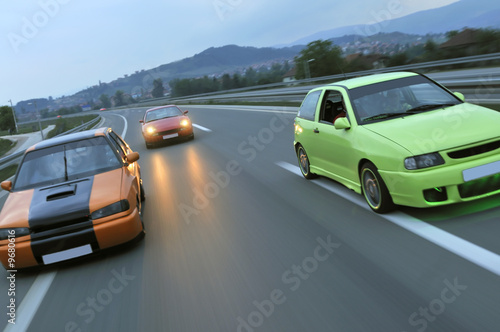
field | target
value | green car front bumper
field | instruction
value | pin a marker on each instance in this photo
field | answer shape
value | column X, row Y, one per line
column 445, row 184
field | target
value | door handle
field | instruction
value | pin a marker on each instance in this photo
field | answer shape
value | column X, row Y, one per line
column 316, row 131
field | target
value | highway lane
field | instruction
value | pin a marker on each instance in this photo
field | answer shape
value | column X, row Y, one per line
column 237, row 243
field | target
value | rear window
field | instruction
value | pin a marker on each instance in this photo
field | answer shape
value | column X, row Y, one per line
column 65, row 162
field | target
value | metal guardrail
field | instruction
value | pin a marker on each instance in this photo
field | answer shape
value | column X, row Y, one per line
column 251, row 91
column 7, row 159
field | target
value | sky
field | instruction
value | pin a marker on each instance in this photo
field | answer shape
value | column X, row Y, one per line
column 59, row 47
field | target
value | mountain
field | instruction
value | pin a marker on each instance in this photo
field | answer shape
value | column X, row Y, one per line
column 456, row 16
column 214, row 61
column 226, row 58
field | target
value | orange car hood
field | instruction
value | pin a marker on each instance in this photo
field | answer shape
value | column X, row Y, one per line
column 61, row 204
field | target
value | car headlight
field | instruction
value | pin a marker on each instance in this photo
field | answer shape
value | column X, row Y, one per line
column 5, row 233
column 185, row 122
column 114, row 208
column 424, row 161
column 151, row 130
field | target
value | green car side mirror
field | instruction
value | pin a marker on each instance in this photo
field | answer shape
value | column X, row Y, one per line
column 459, row 95
column 342, row 123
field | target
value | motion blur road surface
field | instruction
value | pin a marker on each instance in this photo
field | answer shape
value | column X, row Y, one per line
column 238, row 241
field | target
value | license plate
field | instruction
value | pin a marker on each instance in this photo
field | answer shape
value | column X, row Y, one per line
column 170, row 136
column 481, row 171
column 67, row 254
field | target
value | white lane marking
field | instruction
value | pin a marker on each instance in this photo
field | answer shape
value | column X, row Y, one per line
column 126, row 125
column 27, row 309
column 31, row 302
column 202, row 128
column 484, row 258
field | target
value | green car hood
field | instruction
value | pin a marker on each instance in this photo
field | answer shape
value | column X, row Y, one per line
column 440, row 129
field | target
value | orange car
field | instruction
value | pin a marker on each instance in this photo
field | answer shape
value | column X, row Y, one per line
column 72, row 196
column 165, row 123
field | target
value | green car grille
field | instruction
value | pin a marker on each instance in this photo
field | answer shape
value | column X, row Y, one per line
column 480, row 186
column 475, row 150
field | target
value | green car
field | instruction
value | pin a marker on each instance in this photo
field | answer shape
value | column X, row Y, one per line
column 399, row 139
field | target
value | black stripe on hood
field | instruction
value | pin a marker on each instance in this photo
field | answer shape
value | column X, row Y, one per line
column 60, row 205
column 59, row 218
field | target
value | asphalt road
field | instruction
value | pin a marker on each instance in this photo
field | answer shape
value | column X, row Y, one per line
column 238, row 241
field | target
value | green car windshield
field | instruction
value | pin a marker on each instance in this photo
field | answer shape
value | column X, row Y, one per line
column 65, row 162
column 398, row 98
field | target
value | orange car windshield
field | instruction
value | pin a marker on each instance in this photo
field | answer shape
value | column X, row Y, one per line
column 65, row 162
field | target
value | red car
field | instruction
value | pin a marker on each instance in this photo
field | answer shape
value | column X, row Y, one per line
column 164, row 123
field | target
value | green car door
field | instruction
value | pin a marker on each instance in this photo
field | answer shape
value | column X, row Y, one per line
column 334, row 150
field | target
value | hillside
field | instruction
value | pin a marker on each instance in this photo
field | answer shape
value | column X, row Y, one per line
column 212, row 62
column 456, row 16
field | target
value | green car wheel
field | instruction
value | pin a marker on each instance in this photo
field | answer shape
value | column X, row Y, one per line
column 304, row 163
column 374, row 189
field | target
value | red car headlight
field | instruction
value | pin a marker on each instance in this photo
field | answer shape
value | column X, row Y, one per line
column 151, row 130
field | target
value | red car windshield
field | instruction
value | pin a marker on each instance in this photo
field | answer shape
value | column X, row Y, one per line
column 162, row 113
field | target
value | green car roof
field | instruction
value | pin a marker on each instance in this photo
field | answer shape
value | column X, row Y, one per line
column 372, row 79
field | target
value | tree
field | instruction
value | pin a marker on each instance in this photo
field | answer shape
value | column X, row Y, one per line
column 7, row 118
column 157, row 88
column 451, row 34
column 106, row 103
column 398, row 59
column 227, row 82
column 119, row 98
column 44, row 113
column 251, row 76
column 488, row 41
column 321, row 58
column 237, row 81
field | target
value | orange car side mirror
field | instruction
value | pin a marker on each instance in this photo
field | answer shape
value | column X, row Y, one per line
column 186, row 112
column 141, row 121
column 132, row 157
column 6, row 185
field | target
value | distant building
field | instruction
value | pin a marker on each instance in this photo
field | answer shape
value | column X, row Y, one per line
column 465, row 42
column 290, row 75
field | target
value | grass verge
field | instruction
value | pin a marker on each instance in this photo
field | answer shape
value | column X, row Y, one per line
column 7, row 172
column 6, row 145
column 65, row 124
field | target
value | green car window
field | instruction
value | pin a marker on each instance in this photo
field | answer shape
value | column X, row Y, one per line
column 396, row 98
column 308, row 108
